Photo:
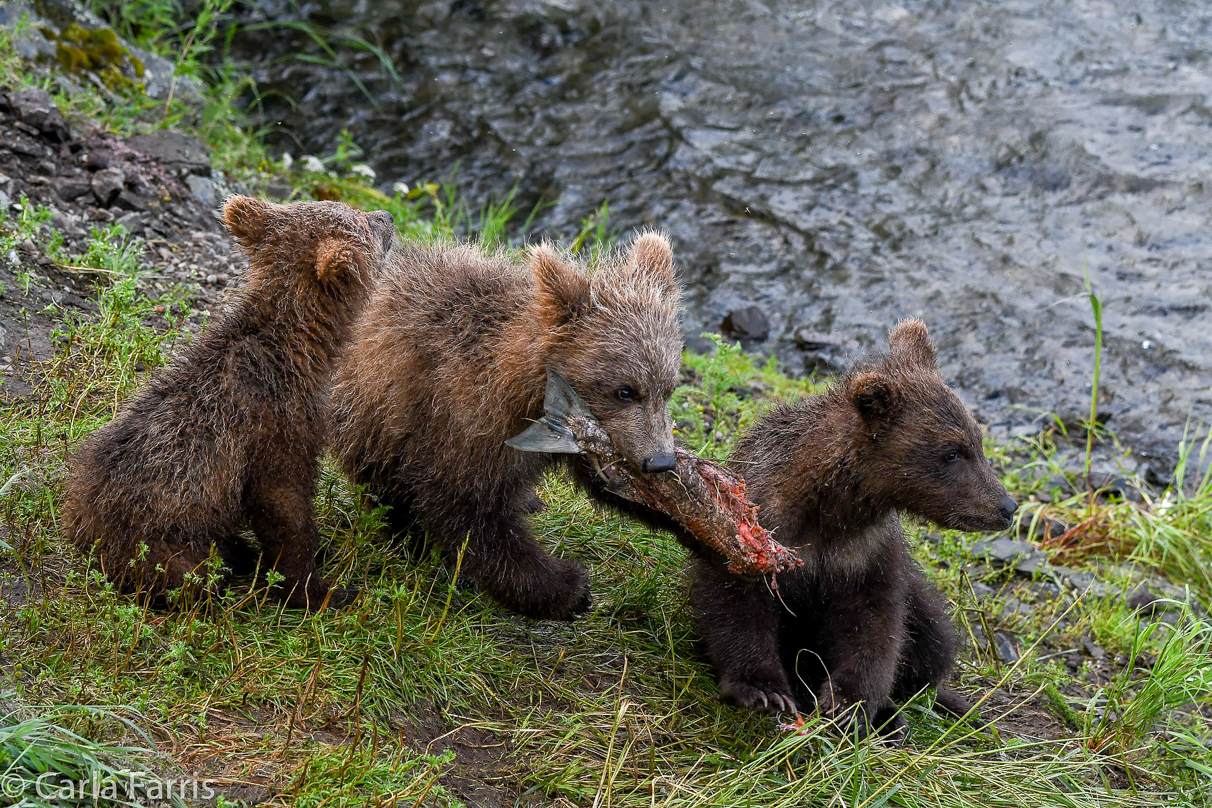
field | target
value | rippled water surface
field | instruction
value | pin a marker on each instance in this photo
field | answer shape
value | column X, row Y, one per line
column 840, row 165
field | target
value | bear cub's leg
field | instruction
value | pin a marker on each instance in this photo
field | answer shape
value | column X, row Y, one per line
column 863, row 638
column 930, row 649
column 739, row 621
column 281, row 511
column 505, row 561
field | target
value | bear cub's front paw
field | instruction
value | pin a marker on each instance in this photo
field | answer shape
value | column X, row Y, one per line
column 762, row 694
column 556, row 590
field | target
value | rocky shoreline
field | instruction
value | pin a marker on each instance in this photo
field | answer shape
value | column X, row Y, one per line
column 159, row 186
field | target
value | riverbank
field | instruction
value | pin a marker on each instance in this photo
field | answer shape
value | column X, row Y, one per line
column 1086, row 636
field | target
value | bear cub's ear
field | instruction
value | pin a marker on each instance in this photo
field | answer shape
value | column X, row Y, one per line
column 910, row 344
column 334, row 256
column 246, row 219
column 874, row 396
column 563, row 292
column 651, row 257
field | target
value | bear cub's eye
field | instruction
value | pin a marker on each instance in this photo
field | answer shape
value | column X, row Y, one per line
column 626, row 393
column 952, row 456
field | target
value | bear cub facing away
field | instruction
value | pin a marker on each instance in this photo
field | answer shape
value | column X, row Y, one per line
column 228, row 434
column 451, row 360
column 832, row 475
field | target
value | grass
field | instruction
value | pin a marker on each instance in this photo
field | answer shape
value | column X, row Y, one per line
column 45, row 764
column 421, row 691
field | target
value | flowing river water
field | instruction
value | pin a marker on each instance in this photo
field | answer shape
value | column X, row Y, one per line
column 837, row 164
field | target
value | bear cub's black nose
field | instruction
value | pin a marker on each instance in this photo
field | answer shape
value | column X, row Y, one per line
column 1009, row 506
column 659, row 462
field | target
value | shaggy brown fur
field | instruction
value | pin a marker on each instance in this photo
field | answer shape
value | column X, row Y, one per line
column 450, row 360
column 228, row 434
column 832, row 474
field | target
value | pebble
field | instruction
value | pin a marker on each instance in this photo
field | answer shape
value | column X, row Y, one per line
column 748, row 323
column 37, row 109
column 1007, row 647
column 815, row 340
column 1003, row 552
column 699, row 345
column 107, row 184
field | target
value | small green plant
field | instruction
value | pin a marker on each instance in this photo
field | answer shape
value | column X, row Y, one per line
column 493, row 219
column 115, row 252
column 595, row 231
column 331, row 42
column 1135, row 700
column 147, row 22
column 45, row 764
column 1096, row 307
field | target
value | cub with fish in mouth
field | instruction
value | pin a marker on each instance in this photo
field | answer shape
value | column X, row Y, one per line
column 450, row 360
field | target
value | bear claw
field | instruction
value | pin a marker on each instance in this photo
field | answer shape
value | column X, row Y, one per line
column 764, row 698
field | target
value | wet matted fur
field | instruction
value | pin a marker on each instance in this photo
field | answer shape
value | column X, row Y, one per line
column 450, row 360
column 228, row 434
column 832, row 475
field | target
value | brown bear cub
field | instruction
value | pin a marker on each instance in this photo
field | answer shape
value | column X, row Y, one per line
column 450, row 360
column 832, row 474
column 228, row 434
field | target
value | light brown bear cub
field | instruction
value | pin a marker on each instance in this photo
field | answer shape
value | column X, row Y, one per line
column 450, row 361
column 832, row 474
column 228, row 434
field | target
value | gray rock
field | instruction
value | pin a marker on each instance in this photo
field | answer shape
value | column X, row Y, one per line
column 1040, row 528
column 1157, row 596
column 30, row 44
column 5, row 200
column 98, row 159
column 158, row 80
column 699, row 345
column 1157, row 477
column 281, row 191
column 1007, row 646
column 982, row 591
column 23, row 144
column 1014, row 608
column 68, row 87
column 69, row 190
column 748, row 323
column 1093, row 650
column 203, row 189
column 1003, row 552
column 1081, row 582
column 107, row 184
column 1059, row 482
column 178, row 152
column 6, row 183
column 58, row 14
column 36, row 108
column 133, row 201
column 1044, row 590
column 815, row 341
column 133, row 222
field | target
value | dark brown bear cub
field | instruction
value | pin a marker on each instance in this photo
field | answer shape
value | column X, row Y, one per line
column 451, row 360
column 228, row 434
column 832, row 475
